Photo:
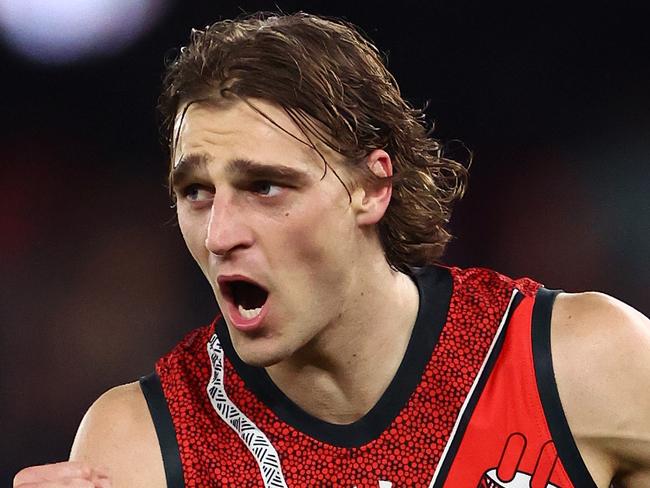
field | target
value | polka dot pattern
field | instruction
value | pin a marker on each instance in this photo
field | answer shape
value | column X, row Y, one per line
column 406, row 453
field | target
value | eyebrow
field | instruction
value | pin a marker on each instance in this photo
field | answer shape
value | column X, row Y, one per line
column 239, row 168
column 187, row 165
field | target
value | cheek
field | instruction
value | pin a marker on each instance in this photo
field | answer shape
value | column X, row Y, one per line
column 193, row 233
column 320, row 238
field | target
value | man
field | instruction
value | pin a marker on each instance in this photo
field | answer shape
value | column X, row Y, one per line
column 315, row 204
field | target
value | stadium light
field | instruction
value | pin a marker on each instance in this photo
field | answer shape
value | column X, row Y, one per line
column 66, row 31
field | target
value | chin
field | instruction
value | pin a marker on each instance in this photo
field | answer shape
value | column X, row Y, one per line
column 259, row 353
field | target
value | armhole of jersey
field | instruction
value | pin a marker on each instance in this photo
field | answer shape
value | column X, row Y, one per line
column 548, row 392
column 162, row 421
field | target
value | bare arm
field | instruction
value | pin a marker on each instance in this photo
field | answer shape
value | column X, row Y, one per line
column 601, row 357
column 116, row 434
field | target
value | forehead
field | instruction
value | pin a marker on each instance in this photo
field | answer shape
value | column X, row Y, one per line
column 257, row 130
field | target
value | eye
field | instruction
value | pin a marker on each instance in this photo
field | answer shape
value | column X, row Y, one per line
column 196, row 193
column 265, row 188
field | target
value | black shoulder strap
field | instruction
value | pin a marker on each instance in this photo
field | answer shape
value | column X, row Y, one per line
column 162, row 421
column 557, row 423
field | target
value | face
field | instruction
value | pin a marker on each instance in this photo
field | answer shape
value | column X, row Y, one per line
column 276, row 240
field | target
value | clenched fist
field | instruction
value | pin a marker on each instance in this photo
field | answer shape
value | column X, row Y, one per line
column 69, row 474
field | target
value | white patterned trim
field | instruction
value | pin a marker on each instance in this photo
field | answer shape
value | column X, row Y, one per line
column 257, row 443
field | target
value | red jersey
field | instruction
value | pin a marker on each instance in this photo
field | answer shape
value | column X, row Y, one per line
column 473, row 404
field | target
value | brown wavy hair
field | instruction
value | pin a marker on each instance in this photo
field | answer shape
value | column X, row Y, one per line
column 333, row 84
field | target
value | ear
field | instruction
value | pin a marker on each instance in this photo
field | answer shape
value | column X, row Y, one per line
column 369, row 201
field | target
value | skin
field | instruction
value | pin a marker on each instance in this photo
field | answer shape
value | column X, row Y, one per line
column 335, row 306
column 321, row 315
column 601, row 359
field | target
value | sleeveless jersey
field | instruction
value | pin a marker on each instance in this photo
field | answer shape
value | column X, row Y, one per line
column 473, row 404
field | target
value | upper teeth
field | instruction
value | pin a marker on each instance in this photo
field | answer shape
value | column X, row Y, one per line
column 249, row 314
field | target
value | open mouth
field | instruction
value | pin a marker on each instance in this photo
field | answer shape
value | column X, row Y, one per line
column 248, row 298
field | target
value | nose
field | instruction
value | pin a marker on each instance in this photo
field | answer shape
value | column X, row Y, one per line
column 227, row 230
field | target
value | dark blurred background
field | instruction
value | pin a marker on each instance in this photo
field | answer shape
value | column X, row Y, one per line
column 95, row 282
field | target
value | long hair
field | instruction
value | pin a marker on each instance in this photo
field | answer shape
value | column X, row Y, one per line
column 333, row 84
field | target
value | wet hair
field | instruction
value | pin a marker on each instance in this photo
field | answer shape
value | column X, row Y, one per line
column 331, row 81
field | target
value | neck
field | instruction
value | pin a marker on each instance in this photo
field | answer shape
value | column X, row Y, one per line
column 341, row 374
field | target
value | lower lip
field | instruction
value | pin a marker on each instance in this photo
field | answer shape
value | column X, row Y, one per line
column 244, row 324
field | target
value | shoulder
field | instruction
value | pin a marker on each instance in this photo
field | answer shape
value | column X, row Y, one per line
column 117, row 432
column 488, row 281
column 601, row 360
